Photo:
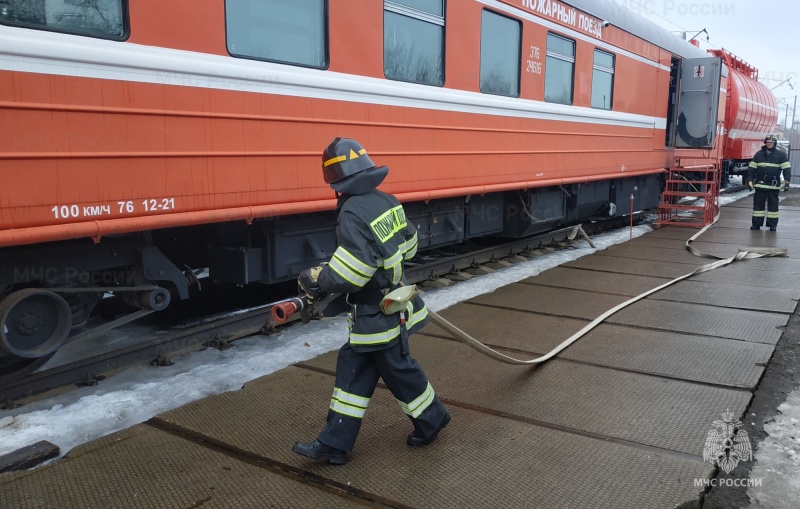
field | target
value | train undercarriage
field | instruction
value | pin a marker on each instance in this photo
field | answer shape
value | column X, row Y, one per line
column 48, row 291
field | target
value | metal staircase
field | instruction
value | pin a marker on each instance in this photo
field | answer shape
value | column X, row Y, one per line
column 691, row 196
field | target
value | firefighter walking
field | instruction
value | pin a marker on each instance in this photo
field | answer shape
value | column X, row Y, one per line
column 374, row 239
column 764, row 175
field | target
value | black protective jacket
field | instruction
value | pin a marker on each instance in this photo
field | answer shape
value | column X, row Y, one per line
column 374, row 239
column 765, row 169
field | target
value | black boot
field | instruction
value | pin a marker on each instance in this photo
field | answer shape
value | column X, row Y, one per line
column 318, row 451
column 755, row 227
column 416, row 439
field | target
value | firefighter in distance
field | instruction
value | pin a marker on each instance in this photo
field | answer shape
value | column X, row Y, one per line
column 374, row 239
column 764, row 175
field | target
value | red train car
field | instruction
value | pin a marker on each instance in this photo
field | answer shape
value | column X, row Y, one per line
column 141, row 139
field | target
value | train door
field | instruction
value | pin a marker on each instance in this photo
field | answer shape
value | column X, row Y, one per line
column 698, row 102
column 672, row 107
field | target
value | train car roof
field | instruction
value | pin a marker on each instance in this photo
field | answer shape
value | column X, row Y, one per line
column 625, row 19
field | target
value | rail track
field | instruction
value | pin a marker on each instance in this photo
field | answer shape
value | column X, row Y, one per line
column 430, row 266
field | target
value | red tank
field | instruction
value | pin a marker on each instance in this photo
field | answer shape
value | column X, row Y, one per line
column 751, row 109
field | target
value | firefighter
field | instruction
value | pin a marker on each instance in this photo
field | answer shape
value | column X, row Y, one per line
column 764, row 174
column 374, row 239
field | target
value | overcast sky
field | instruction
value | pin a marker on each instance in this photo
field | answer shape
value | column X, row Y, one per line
column 764, row 34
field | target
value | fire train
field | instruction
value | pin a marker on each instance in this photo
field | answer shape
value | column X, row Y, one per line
column 143, row 141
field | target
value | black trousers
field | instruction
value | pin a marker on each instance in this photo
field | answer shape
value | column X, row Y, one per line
column 357, row 375
column 770, row 198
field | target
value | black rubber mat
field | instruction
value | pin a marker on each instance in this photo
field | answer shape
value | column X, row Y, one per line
column 698, row 358
column 579, row 398
column 659, row 314
column 700, row 292
column 771, row 272
column 598, row 282
column 652, row 253
column 482, row 459
column 142, row 468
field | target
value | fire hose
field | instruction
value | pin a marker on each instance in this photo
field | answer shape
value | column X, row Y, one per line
column 290, row 307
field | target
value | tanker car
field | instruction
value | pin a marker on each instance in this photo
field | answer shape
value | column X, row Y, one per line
column 751, row 112
column 143, row 141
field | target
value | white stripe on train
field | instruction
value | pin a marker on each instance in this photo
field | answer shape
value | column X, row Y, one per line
column 66, row 55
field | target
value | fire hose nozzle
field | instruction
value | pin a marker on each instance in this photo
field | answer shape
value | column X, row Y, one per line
column 281, row 312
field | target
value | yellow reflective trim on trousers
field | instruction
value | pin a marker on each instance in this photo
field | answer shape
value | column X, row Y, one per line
column 352, row 399
column 357, row 265
column 345, row 409
column 423, row 401
column 759, row 213
column 347, row 274
column 773, row 214
column 348, row 404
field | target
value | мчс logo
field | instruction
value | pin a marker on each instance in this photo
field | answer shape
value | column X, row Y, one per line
column 727, row 445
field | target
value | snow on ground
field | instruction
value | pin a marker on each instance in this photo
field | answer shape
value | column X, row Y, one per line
column 778, row 459
column 138, row 394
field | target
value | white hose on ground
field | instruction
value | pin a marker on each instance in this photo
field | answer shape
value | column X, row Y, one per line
column 743, row 254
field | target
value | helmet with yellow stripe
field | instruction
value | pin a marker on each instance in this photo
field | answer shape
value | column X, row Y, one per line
column 342, row 158
column 770, row 138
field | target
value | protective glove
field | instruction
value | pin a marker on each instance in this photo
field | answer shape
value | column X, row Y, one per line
column 750, row 184
column 785, row 185
column 307, row 282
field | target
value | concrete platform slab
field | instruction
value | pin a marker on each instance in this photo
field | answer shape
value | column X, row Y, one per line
column 142, row 467
column 481, row 460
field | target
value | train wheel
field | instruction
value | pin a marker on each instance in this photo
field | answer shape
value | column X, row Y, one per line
column 34, row 323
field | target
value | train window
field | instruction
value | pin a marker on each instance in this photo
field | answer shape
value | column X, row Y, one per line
column 94, row 18
column 500, row 54
column 602, row 80
column 413, row 41
column 285, row 31
column 559, row 69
